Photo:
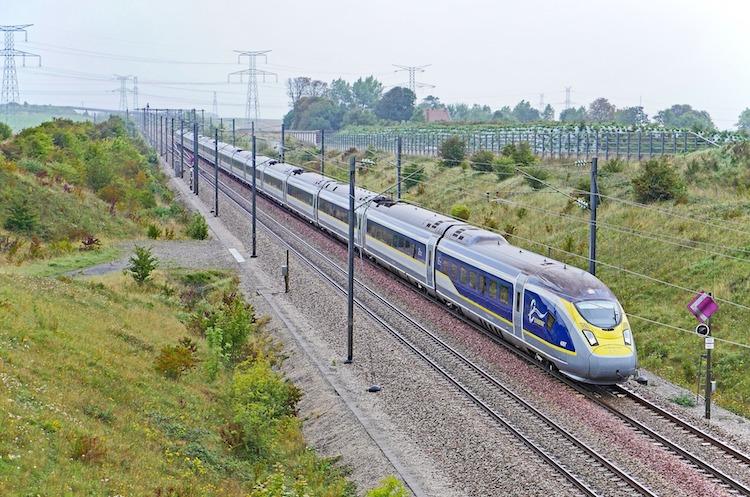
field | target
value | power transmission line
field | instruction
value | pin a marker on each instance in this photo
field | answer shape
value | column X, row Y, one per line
column 568, row 103
column 10, row 93
column 412, row 70
column 251, row 109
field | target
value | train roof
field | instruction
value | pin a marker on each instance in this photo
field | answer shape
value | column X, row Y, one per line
column 414, row 215
column 568, row 281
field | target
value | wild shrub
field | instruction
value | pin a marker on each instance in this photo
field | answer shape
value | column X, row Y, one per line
column 685, row 400
column 153, row 231
column 520, row 153
column 482, row 160
column 35, row 248
column 197, row 229
column 412, row 175
column 20, row 218
column 460, row 211
column 509, row 230
column 491, row 223
column 390, row 486
column 504, row 168
column 614, row 165
column 168, row 233
column 142, row 264
column 262, row 403
column 218, row 351
column 88, row 449
column 536, row 177
column 658, row 181
column 452, row 151
column 175, row 360
column 5, row 131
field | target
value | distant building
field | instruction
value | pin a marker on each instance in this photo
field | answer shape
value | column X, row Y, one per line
column 436, row 115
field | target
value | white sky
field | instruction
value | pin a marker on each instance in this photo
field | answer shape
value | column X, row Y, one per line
column 658, row 52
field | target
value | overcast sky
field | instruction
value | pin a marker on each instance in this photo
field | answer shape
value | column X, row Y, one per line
column 658, row 52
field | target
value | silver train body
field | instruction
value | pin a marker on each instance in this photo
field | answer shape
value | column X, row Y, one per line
column 560, row 314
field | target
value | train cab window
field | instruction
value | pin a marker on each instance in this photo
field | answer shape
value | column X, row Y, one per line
column 504, row 294
column 464, row 276
column 473, row 280
column 550, row 322
column 493, row 289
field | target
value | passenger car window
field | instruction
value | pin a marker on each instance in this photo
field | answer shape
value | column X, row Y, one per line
column 504, row 294
column 463, row 276
column 473, row 280
column 482, row 285
column 493, row 289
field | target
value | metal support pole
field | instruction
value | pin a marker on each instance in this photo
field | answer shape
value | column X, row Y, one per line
column 171, row 148
column 182, row 147
column 282, row 147
column 322, row 151
column 593, row 201
column 195, row 158
column 286, row 273
column 216, row 172
column 398, row 168
column 709, row 377
column 234, row 136
column 255, row 177
column 708, row 384
column 350, row 261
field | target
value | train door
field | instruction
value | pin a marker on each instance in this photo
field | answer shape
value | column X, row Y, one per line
column 518, row 306
column 430, row 276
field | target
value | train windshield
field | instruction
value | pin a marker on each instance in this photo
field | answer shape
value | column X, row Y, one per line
column 601, row 313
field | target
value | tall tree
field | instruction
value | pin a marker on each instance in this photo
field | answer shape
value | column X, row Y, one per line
column 549, row 113
column 684, row 116
column 525, row 113
column 296, row 88
column 631, row 116
column 601, row 111
column 743, row 124
column 431, row 102
column 367, row 92
column 304, row 86
column 397, row 104
column 341, row 92
column 572, row 115
column 504, row 115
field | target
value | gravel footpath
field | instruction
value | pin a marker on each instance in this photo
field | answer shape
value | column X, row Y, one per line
column 665, row 474
column 442, row 437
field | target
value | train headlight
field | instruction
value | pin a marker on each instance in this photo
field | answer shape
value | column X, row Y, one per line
column 627, row 335
column 590, row 337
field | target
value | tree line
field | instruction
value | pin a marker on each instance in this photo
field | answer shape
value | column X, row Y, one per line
column 319, row 105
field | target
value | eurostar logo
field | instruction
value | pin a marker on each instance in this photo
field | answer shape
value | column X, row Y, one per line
column 535, row 315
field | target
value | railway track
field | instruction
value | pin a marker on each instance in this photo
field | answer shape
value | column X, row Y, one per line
column 543, row 436
column 710, row 446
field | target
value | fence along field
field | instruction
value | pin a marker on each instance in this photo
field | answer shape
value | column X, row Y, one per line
column 545, row 142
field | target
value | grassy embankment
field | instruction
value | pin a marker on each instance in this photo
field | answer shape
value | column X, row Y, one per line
column 70, row 191
column 712, row 215
column 111, row 388
column 168, row 388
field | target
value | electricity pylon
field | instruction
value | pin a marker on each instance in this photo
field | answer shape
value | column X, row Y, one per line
column 252, row 71
column 412, row 70
column 10, row 93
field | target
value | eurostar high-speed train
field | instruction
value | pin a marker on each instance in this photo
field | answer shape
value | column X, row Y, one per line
column 562, row 315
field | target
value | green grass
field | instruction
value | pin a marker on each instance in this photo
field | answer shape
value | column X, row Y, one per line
column 718, row 184
column 84, row 411
column 64, row 264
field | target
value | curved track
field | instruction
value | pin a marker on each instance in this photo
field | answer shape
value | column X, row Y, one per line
column 550, row 441
column 558, row 434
